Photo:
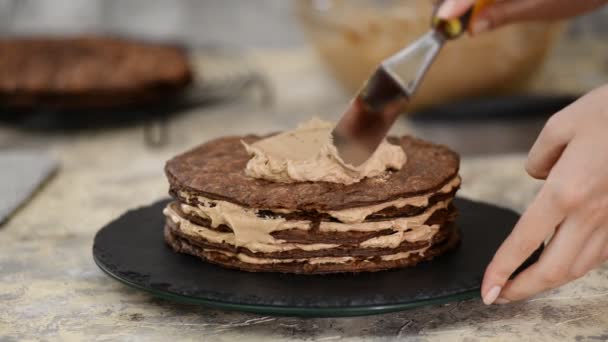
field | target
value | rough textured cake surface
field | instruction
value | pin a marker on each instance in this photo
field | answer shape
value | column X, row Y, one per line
column 216, row 170
column 225, row 217
column 89, row 71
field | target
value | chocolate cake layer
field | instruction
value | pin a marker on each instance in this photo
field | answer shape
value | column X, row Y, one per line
column 347, row 264
column 342, row 250
column 309, row 235
column 387, row 213
column 215, row 170
column 314, row 235
column 89, row 71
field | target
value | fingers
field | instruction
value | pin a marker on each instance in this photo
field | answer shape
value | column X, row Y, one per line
column 498, row 14
column 574, row 197
column 504, row 12
column 549, row 146
column 450, row 9
column 554, row 266
column 570, row 196
column 592, row 254
column 535, row 225
column 560, row 130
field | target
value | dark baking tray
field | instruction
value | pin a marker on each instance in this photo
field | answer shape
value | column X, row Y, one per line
column 235, row 77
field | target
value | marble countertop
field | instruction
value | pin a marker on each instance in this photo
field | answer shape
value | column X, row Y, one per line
column 50, row 288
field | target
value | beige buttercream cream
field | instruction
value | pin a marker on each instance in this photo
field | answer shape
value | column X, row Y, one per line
column 223, row 212
column 251, row 227
column 420, row 233
column 308, row 154
column 254, row 232
column 248, row 226
column 403, row 255
column 253, row 260
column 357, row 214
column 396, row 224
column 318, row 260
column 267, row 244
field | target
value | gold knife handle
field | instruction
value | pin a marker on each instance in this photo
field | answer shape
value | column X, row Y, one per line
column 454, row 28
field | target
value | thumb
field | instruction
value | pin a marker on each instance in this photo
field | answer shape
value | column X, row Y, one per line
column 450, row 9
column 505, row 12
column 498, row 14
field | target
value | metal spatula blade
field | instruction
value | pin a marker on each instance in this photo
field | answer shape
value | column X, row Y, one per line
column 386, row 94
column 383, row 98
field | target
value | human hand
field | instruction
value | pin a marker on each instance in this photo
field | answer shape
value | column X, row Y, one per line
column 508, row 11
column 571, row 154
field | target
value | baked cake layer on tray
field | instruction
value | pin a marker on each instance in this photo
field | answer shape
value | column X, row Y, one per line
column 89, row 72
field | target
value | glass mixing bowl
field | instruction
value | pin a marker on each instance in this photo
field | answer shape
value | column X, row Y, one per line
column 353, row 36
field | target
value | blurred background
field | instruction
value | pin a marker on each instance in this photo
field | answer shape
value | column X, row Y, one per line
column 260, row 23
column 552, row 61
column 265, row 65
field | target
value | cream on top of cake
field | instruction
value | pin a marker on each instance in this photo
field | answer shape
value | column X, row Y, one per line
column 308, row 154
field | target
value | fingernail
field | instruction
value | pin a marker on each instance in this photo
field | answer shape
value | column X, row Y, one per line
column 491, row 295
column 480, row 25
column 502, row 301
column 446, row 9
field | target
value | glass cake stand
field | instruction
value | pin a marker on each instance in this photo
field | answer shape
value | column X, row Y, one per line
column 132, row 250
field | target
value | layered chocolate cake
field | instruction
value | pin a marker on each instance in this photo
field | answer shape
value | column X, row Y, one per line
column 287, row 203
column 89, row 71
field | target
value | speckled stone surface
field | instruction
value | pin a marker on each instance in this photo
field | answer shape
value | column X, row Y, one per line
column 50, row 288
column 23, row 172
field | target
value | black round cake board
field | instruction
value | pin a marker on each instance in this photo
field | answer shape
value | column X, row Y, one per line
column 132, row 250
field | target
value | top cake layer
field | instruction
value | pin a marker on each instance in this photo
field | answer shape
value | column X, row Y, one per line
column 215, row 170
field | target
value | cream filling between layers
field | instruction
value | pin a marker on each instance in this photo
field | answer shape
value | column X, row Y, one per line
column 400, row 224
column 256, row 235
column 420, row 233
column 319, row 260
column 266, row 243
column 358, row 214
column 350, row 215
